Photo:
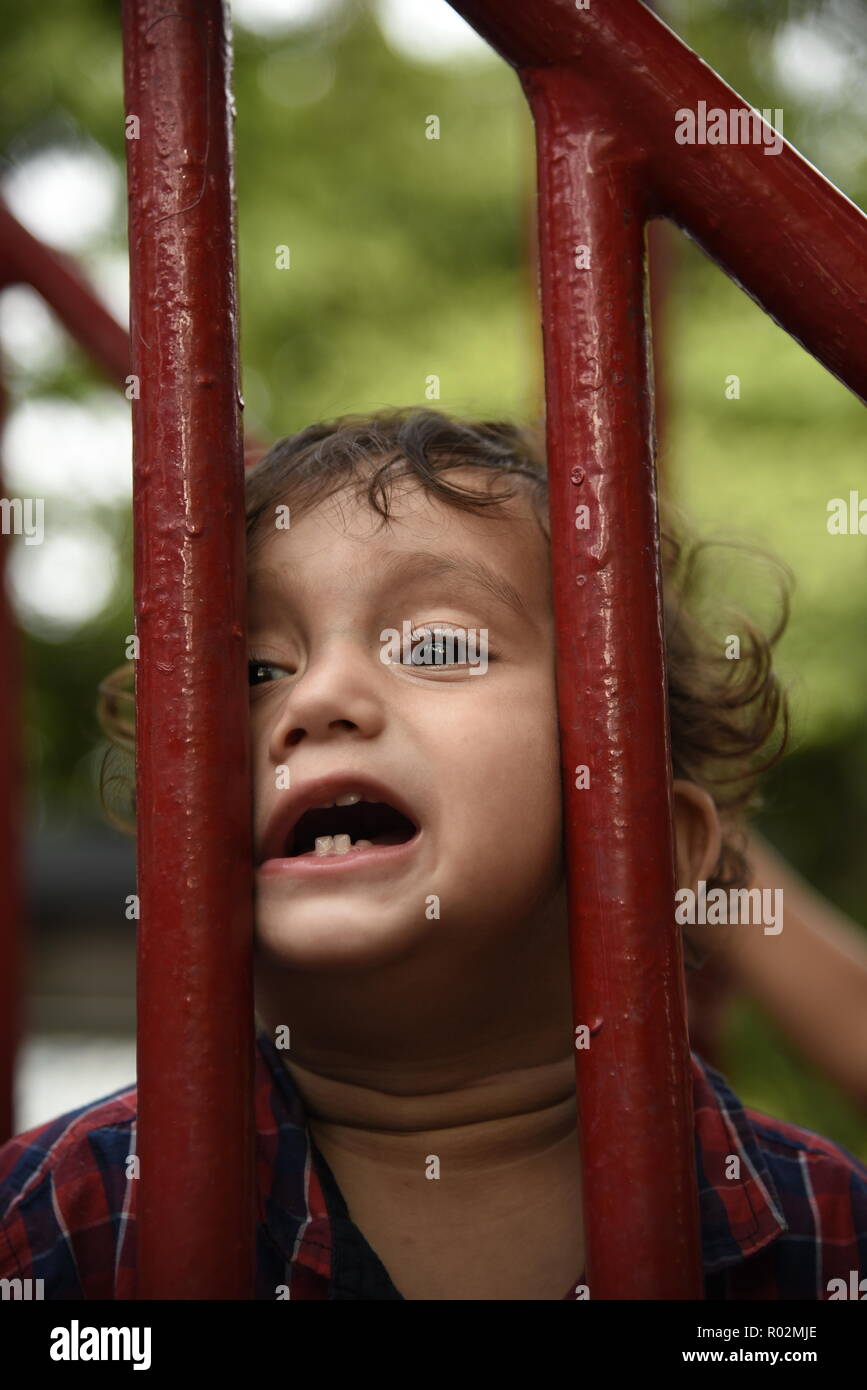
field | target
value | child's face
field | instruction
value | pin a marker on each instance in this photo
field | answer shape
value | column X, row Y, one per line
column 473, row 755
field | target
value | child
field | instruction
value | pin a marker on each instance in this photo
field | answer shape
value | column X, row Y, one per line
column 418, row 1137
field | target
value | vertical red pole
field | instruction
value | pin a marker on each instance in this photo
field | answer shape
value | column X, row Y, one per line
column 195, row 1009
column 11, row 812
column 634, row 1082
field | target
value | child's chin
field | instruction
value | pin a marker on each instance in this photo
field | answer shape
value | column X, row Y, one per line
column 311, row 939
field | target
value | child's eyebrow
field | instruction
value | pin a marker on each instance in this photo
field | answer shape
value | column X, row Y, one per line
column 403, row 566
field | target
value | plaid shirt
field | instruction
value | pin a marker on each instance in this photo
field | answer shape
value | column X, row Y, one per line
column 791, row 1218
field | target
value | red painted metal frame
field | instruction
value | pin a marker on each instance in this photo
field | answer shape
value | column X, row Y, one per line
column 195, row 1136
column 604, row 84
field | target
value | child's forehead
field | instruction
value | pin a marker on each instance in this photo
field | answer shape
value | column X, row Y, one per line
column 424, row 536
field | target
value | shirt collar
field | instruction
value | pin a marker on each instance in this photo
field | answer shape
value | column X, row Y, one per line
column 290, row 1200
column 739, row 1205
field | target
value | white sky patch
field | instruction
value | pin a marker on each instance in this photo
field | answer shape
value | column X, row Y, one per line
column 809, row 62
column 29, row 332
column 430, row 31
column 61, row 584
column 73, row 455
column 268, row 17
column 70, row 452
column 423, row 30
column 66, row 196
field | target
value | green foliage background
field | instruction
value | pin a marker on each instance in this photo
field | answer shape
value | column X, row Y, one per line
column 410, row 257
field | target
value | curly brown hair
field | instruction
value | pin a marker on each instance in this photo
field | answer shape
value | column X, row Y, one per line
column 729, row 719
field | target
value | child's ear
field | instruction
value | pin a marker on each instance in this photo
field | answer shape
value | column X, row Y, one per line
column 697, row 833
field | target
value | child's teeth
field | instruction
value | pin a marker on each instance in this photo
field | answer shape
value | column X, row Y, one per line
column 339, row 844
column 349, row 799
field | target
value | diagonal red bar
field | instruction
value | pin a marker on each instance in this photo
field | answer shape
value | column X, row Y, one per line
column 24, row 259
column 792, row 240
column 196, row 1217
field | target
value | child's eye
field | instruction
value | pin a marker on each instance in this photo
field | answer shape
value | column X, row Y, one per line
column 254, row 668
column 431, row 646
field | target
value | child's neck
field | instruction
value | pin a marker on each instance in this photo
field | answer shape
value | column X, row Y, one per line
column 522, row 1107
column 441, row 1091
column 472, row 1192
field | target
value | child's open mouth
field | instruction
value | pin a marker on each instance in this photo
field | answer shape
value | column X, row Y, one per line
column 341, row 823
column 348, row 836
column 347, row 829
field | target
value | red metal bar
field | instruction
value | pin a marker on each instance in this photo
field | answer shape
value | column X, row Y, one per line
column 792, row 240
column 24, row 259
column 638, row 1165
column 196, row 1217
column 605, row 84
